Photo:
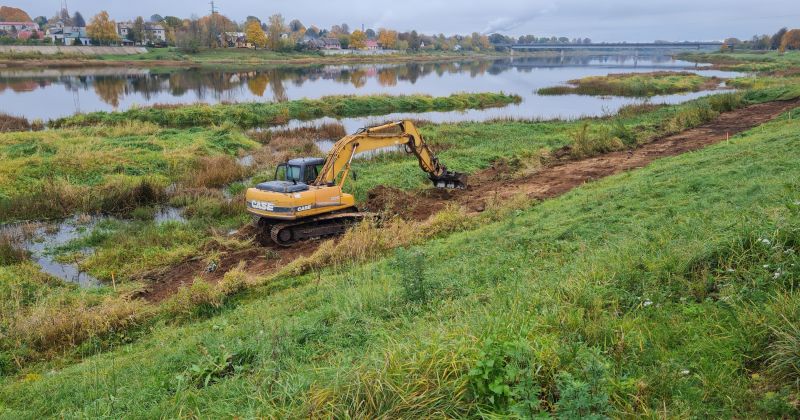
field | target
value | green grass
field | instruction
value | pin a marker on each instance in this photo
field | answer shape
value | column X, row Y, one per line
column 254, row 114
column 645, row 294
column 748, row 61
column 635, row 84
column 56, row 172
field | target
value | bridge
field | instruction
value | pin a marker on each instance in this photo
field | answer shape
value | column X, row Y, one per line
column 614, row 46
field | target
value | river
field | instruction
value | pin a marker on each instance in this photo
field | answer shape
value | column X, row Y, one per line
column 51, row 93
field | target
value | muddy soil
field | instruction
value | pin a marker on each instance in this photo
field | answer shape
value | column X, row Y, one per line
column 494, row 183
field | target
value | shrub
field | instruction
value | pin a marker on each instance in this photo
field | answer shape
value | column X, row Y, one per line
column 214, row 366
column 504, row 379
column 201, row 298
column 726, row 102
column 584, row 394
column 10, row 250
column 410, row 264
column 587, row 144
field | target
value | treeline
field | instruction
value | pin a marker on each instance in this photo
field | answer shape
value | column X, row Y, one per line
column 782, row 40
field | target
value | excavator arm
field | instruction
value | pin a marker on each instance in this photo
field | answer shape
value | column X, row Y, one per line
column 337, row 164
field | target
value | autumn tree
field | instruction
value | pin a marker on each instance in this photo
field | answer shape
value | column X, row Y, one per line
column 387, row 38
column 101, row 29
column 775, row 41
column 791, row 40
column 275, row 28
column 12, row 14
column 156, row 18
column 255, row 34
column 358, row 40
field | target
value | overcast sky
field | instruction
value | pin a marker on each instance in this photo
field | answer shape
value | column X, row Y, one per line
column 610, row 20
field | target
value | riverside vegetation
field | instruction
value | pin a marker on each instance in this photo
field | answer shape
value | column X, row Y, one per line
column 560, row 307
column 636, row 84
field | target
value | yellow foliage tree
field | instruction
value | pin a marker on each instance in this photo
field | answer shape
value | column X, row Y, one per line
column 791, row 40
column 358, row 40
column 255, row 34
column 387, row 39
column 101, row 29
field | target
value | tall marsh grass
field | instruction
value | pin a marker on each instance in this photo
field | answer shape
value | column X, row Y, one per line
column 276, row 113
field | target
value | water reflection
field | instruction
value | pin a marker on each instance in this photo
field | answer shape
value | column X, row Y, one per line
column 52, row 93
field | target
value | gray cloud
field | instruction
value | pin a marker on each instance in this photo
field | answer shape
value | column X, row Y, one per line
column 631, row 20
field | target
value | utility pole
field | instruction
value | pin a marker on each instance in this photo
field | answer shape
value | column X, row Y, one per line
column 213, row 24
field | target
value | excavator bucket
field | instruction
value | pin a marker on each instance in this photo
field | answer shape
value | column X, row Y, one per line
column 450, row 180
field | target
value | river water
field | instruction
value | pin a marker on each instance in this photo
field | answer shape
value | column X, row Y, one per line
column 52, row 93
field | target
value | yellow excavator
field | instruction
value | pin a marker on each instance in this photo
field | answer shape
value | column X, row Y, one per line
column 306, row 199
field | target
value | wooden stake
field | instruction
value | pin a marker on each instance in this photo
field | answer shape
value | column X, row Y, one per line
column 113, row 281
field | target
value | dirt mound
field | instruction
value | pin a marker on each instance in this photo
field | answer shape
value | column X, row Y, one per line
column 407, row 205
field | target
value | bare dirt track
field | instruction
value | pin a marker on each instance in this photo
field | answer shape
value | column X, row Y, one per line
column 495, row 183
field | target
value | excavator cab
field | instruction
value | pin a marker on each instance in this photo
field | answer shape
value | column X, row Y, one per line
column 294, row 175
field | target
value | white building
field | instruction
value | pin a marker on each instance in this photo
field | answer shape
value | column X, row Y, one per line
column 67, row 35
column 18, row 26
column 153, row 32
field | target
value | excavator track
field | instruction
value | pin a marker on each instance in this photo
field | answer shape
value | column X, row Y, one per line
column 287, row 233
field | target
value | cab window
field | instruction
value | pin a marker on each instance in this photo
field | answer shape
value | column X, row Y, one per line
column 293, row 173
column 311, row 174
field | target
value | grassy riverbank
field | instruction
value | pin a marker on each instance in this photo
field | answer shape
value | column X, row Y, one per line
column 689, row 319
column 258, row 114
column 635, row 84
column 230, row 57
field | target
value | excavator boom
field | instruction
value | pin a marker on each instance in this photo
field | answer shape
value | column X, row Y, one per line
column 404, row 133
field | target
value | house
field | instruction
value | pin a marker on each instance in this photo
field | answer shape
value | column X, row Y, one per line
column 236, row 40
column 11, row 27
column 153, row 32
column 326, row 44
column 371, row 44
column 61, row 34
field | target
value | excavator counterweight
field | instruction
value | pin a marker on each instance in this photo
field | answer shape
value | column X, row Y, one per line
column 306, row 199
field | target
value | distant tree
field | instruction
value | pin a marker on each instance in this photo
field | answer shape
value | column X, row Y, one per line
column 13, row 14
column 313, row 32
column 173, row 22
column 250, row 19
column 336, row 30
column 275, row 28
column 358, row 40
column 387, row 38
column 344, row 41
column 496, row 38
column 587, row 41
column 41, row 21
column 255, row 34
column 402, row 45
column 101, row 29
column 414, row 41
column 776, row 40
column 370, row 33
column 296, row 26
column 791, row 40
column 77, row 19
column 156, row 18
column 345, row 29
column 136, row 31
